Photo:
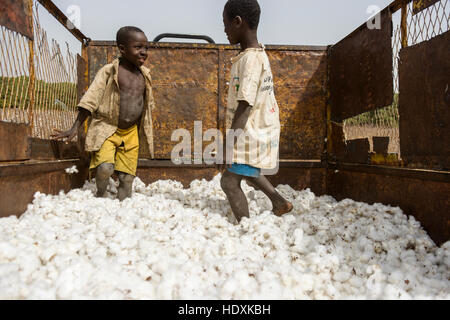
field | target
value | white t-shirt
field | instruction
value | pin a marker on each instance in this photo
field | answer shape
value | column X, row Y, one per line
column 252, row 81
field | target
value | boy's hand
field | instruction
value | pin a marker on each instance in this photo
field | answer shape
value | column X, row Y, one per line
column 69, row 134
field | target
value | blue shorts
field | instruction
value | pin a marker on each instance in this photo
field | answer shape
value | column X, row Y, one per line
column 245, row 170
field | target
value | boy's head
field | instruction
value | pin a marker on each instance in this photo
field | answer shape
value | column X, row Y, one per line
column 240, row 16
column 132, row 44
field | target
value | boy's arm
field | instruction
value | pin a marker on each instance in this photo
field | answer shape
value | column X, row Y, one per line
column 241, row 115
column 70, row 134
column 88, row 105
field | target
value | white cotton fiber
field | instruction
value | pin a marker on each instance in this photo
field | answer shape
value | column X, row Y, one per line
column 167, row 242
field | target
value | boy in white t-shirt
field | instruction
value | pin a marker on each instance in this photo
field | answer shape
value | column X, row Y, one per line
column 253, row 112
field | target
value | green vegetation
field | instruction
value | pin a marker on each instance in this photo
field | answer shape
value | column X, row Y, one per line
column 387, row 117
column 60, row 95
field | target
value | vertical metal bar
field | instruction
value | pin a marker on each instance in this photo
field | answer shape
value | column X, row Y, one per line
column 404, row 24
column 3, row 73
column 31, row 91
column 11, row 67
column 17, row 109
column 85, row 56
column 24, row 71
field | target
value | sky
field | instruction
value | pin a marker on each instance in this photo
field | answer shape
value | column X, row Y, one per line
column 283, row 22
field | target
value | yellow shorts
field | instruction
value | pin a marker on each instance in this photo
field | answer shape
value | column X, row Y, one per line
column 121, row 149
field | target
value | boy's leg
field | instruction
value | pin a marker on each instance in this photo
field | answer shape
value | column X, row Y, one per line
column 127, row 156
column 125, row 186
column 104, row 172
column 231, row 185
column 280, row 205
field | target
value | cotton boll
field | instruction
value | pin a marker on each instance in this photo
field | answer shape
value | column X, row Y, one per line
column 170, row 242
column 7, row 251
column 72, row 170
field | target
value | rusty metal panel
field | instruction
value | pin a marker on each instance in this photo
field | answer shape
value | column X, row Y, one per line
column 81, row 72
column 361, row 71
column 185, row 87
column 42, row 149
column 419, row 5
column 150, row 175
column 301, row 178
column 424, row 106
column 98, row 57
column 300, row 89
column 16, row 15
column 428, row 201
column 358, row 151
column 380, row 145
column 19, row 182
column 14, row 141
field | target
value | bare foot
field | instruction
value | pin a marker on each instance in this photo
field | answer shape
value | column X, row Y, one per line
column 286, row 208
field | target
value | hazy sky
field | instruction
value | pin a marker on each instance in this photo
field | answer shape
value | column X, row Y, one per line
column 296, row 22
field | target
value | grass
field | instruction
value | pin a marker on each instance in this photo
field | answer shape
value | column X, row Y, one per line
column 59, row 95
column 387, row 116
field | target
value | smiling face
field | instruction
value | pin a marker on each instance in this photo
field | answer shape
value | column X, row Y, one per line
column 135, row 48
column 232, row 28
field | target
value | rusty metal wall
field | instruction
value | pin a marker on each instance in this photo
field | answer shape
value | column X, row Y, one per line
column 20, row 181
column 425, row 104
column 16, row 16
column 361, row 71
column 190, row 84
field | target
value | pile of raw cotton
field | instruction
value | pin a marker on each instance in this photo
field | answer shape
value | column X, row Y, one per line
column 167, row 242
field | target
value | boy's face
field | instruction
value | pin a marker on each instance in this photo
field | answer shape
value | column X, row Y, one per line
column 135, row 49
column 232, row 28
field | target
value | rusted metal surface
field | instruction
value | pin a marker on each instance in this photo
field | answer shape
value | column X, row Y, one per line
column 358, row 151
column 42, row 149
column 428, row 201
column 19, row 182
column 380, row 145
column 301, row 178
column 390, row 159
column 424, row 110
column 419, row 5
column 190, row 84
column 15, row 15
column 185, row 90
column 13, row 141
column 336, row 146
column 62, row 18
column 183, row 175
column 361, row 71
column 81, row 77
column 300, row 89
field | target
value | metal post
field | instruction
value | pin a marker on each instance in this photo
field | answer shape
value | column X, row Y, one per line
column 404, row 24
column 31, row 85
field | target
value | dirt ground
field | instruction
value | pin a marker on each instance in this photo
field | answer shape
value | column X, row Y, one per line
column 357, row 132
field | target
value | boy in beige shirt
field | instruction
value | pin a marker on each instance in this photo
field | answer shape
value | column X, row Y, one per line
column 120, row 102
column 253, row 112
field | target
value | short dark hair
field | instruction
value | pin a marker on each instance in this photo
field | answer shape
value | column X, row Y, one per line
column 124, row 33
column 248, row 10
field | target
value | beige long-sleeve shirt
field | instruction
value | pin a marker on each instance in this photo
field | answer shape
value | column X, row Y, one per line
column 102, row 99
